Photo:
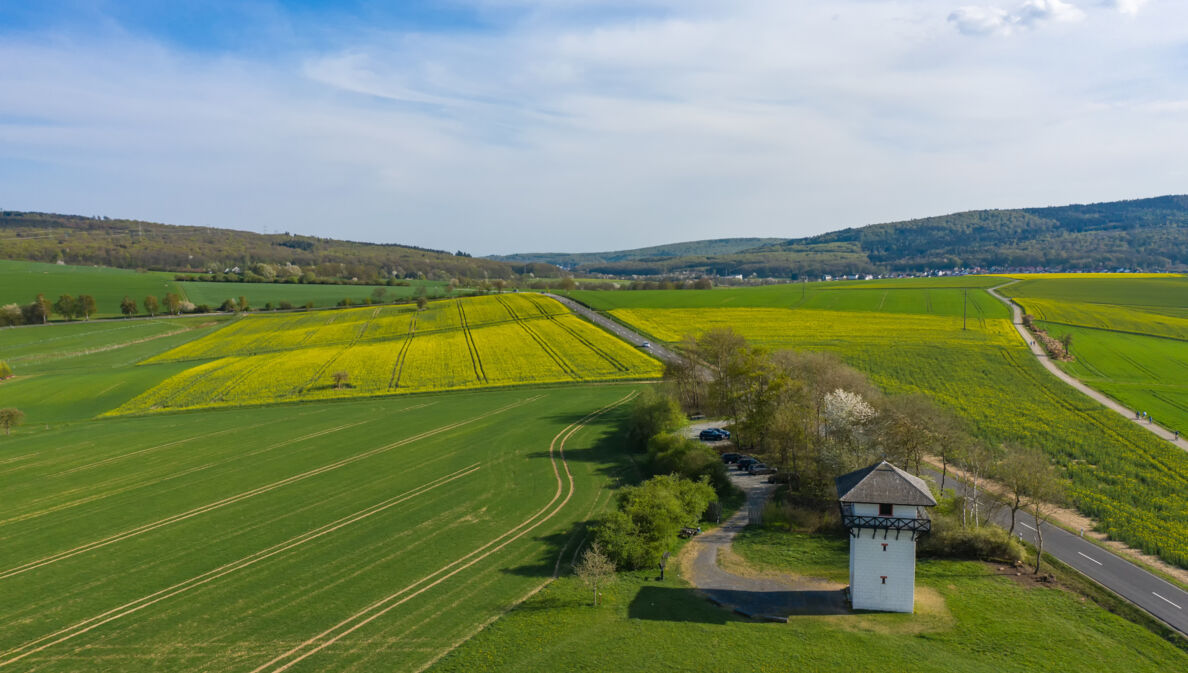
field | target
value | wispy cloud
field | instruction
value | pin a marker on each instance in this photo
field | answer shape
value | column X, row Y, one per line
column 583, row 125
column 993, row 20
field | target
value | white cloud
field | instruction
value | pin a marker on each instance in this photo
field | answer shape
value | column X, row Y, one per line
column 990, row 20
column 699, row 120
column 1130, row 7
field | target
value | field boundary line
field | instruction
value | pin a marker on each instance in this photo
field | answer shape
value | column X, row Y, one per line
column 211, row 575
column 32, row 565
column 388, row 603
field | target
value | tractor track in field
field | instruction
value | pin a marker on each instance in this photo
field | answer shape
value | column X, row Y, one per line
column 381, row 607
column 398, row 367
column 49, row 640
column 476, row 362
column 133, row 532
column 556, row 357
column 1106, row 401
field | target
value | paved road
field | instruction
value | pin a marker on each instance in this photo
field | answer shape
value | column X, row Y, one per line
column 759, row 597
column 1157, row 596
column 613, row 327
column 1038, row 352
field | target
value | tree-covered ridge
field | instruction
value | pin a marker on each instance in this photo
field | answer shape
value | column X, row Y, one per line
column 1138, row 234
column 46, row 237
column 717, row 246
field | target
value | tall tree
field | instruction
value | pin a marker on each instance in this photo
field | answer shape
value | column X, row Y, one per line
column 85, row 306
column 65, row 306
column 128, row 306
column 10, row 418
column 151, row 306
column 172, row 303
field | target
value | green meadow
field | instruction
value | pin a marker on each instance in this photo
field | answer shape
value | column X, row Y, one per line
column 968, row 620
column 260, row 294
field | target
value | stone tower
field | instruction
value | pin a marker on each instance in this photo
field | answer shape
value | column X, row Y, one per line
column 883, row 508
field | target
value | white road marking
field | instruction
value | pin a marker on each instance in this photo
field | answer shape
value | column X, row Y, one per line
column 1168, row 602
column 1090, row 558
column 1025, row 525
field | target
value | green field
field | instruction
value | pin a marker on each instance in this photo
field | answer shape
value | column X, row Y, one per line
column 20, row 282
column 1129, row 337
column 968, row 621
column 367, row 535
column 936, row 296
column 1127, row 479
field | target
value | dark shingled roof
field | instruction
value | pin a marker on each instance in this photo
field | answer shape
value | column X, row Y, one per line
column 883, row 482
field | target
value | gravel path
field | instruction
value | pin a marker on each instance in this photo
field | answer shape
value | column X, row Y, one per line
column 772, row 598
column 1109, row 402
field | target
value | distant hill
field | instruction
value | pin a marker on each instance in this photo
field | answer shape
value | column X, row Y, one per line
column 1138, row 234
column 717, row 246
column 131, row 244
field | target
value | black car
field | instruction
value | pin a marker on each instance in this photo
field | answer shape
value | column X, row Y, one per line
column 731, row 457
column 713, row 435
column 744, row 463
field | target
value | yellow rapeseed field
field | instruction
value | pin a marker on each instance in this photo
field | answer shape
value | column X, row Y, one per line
column 453, row 344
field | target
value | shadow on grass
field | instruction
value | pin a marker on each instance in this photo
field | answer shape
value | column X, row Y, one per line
column 675, row 604
column 782, row 603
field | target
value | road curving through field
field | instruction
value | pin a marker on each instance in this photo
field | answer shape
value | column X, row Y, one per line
column 1105, row 400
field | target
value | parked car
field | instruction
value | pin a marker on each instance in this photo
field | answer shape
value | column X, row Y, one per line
column 760, row 468
column 713, row 435
column 731, row 457
column 744, row 463
column 645, row 345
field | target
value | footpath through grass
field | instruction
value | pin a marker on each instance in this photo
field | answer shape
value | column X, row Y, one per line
column 968, row 620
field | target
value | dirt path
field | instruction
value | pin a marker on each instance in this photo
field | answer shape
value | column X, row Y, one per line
column 772, row 597
column 1109, row 402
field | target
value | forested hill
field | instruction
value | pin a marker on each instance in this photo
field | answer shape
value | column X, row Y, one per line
column 717, row 246
column 1140, row 234
column 131, row 244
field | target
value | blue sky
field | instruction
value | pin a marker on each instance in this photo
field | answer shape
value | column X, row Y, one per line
column 513, row 125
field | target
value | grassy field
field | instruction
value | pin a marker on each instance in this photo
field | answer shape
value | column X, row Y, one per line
column 1124, row 477
column 453, row 344
column 936, row 296
column 366, row 535
column 20, row 282
column 259, row 294
column 1129, row 337
column 968, row 620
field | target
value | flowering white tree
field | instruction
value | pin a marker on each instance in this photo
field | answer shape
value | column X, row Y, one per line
column 846, row 412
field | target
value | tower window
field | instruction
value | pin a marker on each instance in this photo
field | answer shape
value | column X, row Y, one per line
column 884, row 578
column 885, row 509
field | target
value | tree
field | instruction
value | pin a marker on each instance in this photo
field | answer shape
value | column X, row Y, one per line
column 568, row 283
column 500, row 284
column 243, row 304
column 1047, row 490
column 652, row 414
column 378, row 294
column 594, row 569
column 10, row 314
column 172, row 303
column 341, row 379
column 65, row 306
column 11, row 418
column 1018, row 472
column 228, row 306
column 128, row 306
column 85, row 306
column 5, row 370
column 39, row 311
column 648, row 518
column 421, row 297
column 151, row 306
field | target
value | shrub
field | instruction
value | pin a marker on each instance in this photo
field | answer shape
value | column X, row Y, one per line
column 5, row 370
column 673, row 454
column 653, row 413
column 648, row 518
column 949, row 539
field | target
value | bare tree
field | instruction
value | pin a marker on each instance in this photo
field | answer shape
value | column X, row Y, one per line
column 1047, row 490
column 341, row 379
column 595, row 569
column 10, row 418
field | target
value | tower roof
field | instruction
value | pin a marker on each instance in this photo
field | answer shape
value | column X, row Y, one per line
column 883, row 482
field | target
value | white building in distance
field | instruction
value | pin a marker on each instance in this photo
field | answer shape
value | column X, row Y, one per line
column 882, row 507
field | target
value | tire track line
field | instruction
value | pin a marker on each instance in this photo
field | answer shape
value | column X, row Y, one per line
column 389, row 603
column 62, row 635
column 136, row 453
column 81, row 549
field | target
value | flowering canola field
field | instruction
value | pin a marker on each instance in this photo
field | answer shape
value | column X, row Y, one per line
column 454, row 344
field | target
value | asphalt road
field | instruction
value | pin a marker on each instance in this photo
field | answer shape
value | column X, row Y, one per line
column 615, row 328
column 1157, row 596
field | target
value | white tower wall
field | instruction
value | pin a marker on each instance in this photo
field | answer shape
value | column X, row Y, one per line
column 882, row 571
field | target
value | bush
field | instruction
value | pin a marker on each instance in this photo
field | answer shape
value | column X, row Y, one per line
column 673, row 454
column 949, row 540
column 654, row 413
column 648, row 518
column 5, row 370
